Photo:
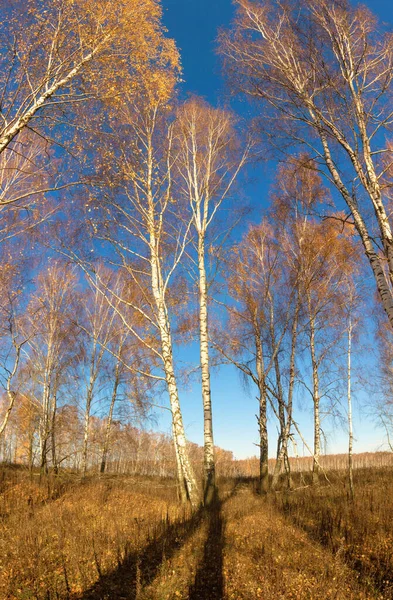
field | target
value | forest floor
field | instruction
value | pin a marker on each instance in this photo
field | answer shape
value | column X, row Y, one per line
column 124, row 538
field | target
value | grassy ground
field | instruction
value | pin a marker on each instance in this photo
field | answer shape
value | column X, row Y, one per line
column 127, row 539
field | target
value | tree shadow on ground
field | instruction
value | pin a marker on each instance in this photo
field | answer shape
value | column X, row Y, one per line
column 139, row 568
column 375, row 575
column 209, row 579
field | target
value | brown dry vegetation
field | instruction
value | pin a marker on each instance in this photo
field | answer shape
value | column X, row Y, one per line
column 128, row 538
column 361, row 533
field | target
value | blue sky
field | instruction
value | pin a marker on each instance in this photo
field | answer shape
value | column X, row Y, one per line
column 194, row 24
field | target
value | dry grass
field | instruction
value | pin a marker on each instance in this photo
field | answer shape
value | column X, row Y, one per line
column 58, row 545
column 269, row 558
column 127, row 539
column 360, row 531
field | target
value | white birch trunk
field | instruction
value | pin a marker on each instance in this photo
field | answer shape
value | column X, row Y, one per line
column 283, row 454
column 282, row 444
column 10, row 394
column 316, row 399
column 376, row 262
column 187, row 482
column 209, row 459
column 44, row 427
column 53, row 410
column 349, row 397
column 86, row 423
column 108, row 428
column 184, row 468
column 208, row 172
column 284, row 412
column 291, row 384
column 262, row 417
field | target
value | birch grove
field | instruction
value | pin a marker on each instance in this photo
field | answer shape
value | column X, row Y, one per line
column 153, row 246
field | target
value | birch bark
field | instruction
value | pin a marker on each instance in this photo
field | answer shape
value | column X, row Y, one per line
column 262, row 417
column 349, row 400
column 208, row 169
column 185, row 471
column 154, row 226
column 315, row 396
column 209, row 459
column 283, row 449
column 86, row 417
column 105, row 448
column 10, row 393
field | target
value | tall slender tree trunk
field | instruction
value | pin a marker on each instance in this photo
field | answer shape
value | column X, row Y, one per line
column 182, row 488
column 282, row 455
column 262, row 416
column 53, row 433
column 11, row 401
column 209, row 459
column 282, row 444
column 184, row 468
column 349, row 397
column 30, row 454
column 44, row 429
column 11, row 395
column 263, row 440
column 86, row 425
column 291, row 387
column 187, row 482
column 316, row 398
column 108, row 428
column 282, row 447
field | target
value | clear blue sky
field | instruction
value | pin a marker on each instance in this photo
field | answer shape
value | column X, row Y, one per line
column 194, row 24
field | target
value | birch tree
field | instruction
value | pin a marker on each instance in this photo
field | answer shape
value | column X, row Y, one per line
column 259, row 317
column 59, row 61
column 53, row 51
column 98, row 324
column 352, row 317
column 285, row 403
column 119, row 341
column 138, row 217
column 321, row 280
column 51, row 349
column 322, row 70
column 322, row 255
column 12, row 339
column 209, row 160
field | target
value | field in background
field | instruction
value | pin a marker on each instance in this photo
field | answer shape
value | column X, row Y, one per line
column 249, row 467
column 126, row 538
